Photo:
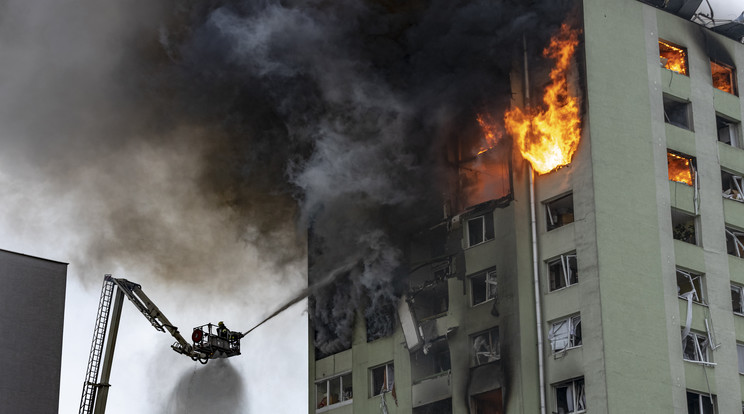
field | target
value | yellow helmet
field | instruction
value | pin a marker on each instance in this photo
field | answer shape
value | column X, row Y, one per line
column 221, row 323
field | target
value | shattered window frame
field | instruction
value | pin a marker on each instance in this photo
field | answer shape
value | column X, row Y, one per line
column 685, row 227
column 723, row 69
column 388, row 379
column 699, row 403
column 732, row 186
column 677, row 112
column 671, row 48
column 734, row 241
column 486, row 228
column 574, row 396
column 565, row 334
column 557, row 213
column 345, row 393
column 485, row 347
column 696, row 348
column 737, row 299
column 489, row 284
column 562, row 272
column 728, row 131
column 696, row 285
column 677, row 159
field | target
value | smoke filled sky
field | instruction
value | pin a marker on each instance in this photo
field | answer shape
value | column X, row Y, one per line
column 188, row 146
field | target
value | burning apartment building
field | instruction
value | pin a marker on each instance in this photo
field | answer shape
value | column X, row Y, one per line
column 589, row 254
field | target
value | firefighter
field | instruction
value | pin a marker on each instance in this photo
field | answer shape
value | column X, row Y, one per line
column 222, row 330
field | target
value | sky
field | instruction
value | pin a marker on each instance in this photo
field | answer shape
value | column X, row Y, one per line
column 120, row 156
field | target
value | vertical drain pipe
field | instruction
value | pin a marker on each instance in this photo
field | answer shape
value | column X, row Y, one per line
column 535, row 268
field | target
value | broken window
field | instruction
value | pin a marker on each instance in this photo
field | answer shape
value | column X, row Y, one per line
column 483, row 287
column 382, row 379
column 673, row 57
column 737, row 299
column 734, row 241
column 480, row 229
column 559, row 211
column 430, row 360
column 690, row 283
column 681, row 168
column 570, row 397
column 700, row 403
column 333, row 390
column 563, row 271
column 732, row 186
column 565, row 334
column 431, row 301
column 677, row 112
column 723, row 77
column 728, row 131
column 485, row 346
column 740, row 356
column 683, row 227
column 695, row 347
column 439, row 407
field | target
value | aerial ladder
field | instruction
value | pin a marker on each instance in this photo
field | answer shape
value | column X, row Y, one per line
column 207, row 341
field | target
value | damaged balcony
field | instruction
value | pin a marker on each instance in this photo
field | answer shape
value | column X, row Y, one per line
column 486, row 374
column 431, row 373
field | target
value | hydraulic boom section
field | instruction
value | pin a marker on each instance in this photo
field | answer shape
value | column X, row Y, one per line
column 209, row 341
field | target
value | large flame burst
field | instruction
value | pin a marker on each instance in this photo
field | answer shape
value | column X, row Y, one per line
column 548, row 136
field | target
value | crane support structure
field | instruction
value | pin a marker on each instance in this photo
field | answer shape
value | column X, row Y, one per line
column 206, row 345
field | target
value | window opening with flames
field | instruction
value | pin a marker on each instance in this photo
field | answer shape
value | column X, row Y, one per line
column 673, row 57
column 681, row 168
column 723, row 77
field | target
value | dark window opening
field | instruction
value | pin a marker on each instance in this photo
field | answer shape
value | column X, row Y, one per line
column 695, row 347
column 559, row 212
column 570, row 397
column 480, row 229
column 431, row 360
column 732, row 185
column 673, row 57
column 737, row 299
column 681, row 168
column 490, row 402
column 563, row 271
column 691, row 284
column 483, row 287
column 677, row 113
column 700, row 404
column 734, row 242
column 728, row 131
column 684, row 227
column 383, row 379
column 723, row 77
column 439, row 407
column 432, row 301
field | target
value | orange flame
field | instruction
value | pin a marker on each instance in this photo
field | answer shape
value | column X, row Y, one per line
column 548, row 137
column 680, row 169
column 492, row 133
column 673, row 57
column 723, row 77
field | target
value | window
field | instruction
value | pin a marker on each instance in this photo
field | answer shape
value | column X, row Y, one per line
column 431, row 301
column 483, row 287
column 480, row 229
column 673, row 57
column 684, row 227
column 740, row 354
column 723, row 77
column 563, row 271
column 430, row 361
column 439, row 407
column 677, row 112
column 728, row 131
column 485, row 346
column 700, row 403
column 382, row 379
column 565, row 334
column 570, row 397
column 681, row 168
column 333, row 391
column 732, row 186
column 690, row 283
column 737, row 299
column 695, row 347
column 559, row 211
column 734, row 242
